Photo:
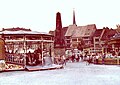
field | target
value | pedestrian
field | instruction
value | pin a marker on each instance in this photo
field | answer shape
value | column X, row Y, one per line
column 57, row 59
column 29, row 58
column 77, row 57
column 73, row 57
column 97, row 57
column 85, row 57
column 89, row 60
column 63, row 60
column 36, row 57
column 81, row 56
column 103, row 58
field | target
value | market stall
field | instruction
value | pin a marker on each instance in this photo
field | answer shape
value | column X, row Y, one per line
column 18, row 44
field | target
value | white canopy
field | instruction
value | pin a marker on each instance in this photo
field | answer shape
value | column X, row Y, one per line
column 22, row 32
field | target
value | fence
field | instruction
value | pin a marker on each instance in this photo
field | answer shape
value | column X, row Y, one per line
column 15, row 59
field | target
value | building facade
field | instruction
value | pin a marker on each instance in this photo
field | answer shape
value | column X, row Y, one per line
column 100, row 39
column 79, row 35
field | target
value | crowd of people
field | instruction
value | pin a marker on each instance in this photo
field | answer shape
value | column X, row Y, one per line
column 80, row 57
column 36, row 57
column 60, row 59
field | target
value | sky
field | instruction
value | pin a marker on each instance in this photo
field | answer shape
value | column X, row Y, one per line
column 40, row 15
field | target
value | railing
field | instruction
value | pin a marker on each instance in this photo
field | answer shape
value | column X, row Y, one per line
column 11, row 58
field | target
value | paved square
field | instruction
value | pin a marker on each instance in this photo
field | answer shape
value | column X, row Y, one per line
column 73, row 74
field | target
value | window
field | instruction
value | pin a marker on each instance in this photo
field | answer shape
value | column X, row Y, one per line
column 74, row 39
column 79, row 39
column 86, row 37
column 96, row 40
column 68, row 41
column 87, row 33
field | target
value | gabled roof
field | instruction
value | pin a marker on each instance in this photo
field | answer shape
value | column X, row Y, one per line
column 108, row 34
column 97, row 33
column 80, row 31
column 70, row 30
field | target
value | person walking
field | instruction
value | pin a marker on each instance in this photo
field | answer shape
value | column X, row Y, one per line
column 89, row 59
column 97, row 57
column 103, row 58
column 81, row 56
column 73, row 57
column 63, row 60
column 77, row 57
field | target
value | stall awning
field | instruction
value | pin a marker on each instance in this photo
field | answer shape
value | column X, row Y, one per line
column 50, row 41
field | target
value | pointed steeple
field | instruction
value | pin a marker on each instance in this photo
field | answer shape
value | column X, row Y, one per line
column 74, row 21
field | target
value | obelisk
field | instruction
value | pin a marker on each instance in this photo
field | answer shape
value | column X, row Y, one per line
column 59, row 43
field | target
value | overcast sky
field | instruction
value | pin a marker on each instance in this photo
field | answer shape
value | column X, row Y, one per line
column 40, row 15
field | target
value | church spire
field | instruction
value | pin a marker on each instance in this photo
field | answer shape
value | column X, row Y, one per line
column 74, row 21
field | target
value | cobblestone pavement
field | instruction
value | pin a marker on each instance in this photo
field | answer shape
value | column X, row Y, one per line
column 72, row 74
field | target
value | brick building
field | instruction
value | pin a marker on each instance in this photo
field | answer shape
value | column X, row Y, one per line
column 101, row 37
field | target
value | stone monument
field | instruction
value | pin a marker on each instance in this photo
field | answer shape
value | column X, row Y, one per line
column 59, row 43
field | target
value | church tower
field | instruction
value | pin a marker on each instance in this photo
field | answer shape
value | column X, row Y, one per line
column 74, row 21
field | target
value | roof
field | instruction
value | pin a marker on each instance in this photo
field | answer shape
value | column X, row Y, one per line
column 18, row 30
column 52, row 32
column 15, row 29
column 22, row 32
column 97, row 33
column 64, row 30
column 108, row 34
column 116, row 36
column 81, row 31
column 70, row 30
